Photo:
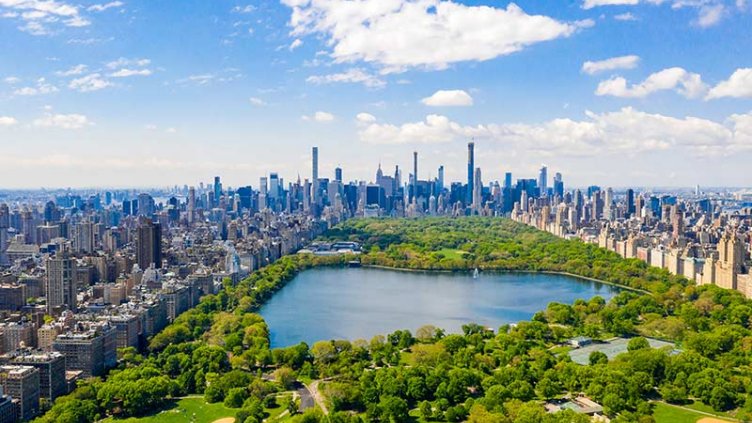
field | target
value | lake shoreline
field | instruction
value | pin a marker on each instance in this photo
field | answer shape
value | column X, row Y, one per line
column 492, row 270
column 341, row 302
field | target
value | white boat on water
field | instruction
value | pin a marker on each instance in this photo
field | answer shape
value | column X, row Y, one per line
column 476, row 273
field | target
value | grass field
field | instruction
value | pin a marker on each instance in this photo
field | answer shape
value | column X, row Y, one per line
column 452, row 254
column 699, row 406
column 664, row 413
column 667, row 414
column 183, row 411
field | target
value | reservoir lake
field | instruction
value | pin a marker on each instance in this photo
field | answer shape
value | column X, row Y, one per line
column 359, row 303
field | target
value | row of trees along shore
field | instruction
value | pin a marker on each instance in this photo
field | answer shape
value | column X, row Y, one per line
column 220, row 349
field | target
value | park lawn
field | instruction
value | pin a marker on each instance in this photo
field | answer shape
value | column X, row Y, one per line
column 406, row 358
column 279, row 409
column 664, row 413
column 560, row 349
column 701, row 406
column 182, row 411
column 452, row 254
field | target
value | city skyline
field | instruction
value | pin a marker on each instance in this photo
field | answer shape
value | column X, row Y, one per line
column 621, row 92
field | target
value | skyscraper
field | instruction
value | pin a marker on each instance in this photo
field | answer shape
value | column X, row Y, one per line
column 191, row 204
column 543, row 181
column 508, row 180
column 217, row 190
column 145, row 204
column 558, row 185
column 608, row 202
column 83, row 240
column 263, row 188
column 630, row 203
column 149, row 244
column 315, row 176
column 415, row 177
column 61, row 285
column 274, row 187
column 338, row 174
column 477, row 191
column 441, row 179
column 4, row 225
column 470, row 170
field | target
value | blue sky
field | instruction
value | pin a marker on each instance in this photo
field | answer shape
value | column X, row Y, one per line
column 152, row 93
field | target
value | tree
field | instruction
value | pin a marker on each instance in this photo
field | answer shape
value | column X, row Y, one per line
column 722, row 398
column 637, row 343
column 426, row 411
column 479, row 414
column 597, row 357
column 235, row 397
column 426, row 333
column 393, row 409
column 285, row 376
column 548, row 387
column 323, row 352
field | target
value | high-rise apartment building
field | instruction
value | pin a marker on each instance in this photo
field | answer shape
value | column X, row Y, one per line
column 22, row 384
column 543, row 181
column 83, row 237
column 92, row 351
column 61, row 285
column 145, row 205
column 149, row 244
column 51, row 366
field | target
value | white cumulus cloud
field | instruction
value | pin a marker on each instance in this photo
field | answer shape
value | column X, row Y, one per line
column 709, row 12
column 621, row 62
column 431, row 34
column 625, row 131
column 75, row 70
column 365, row 118
column 257, row 101
column 738, row 85
column 42, row 87
column 126, row 72
column 37, row 16
column 589, row 4
column 295, row 44
column 63, row 121
column 122, row 62
column 625, row 17
column 448, row 98
column 89, row 83
column 353, row 75
column 688, row 84
column 319, row 117
column 7, row 121
column 104, row 6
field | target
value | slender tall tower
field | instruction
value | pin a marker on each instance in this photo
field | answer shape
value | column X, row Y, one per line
column 315, row 176
column 477, row 191
column 543, row 181
column 4, row 225
column 415, row 177
column 470, row 171
column 191, row 204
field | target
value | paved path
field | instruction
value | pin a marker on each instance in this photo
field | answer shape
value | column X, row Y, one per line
column 306, row 398
column 313, row 388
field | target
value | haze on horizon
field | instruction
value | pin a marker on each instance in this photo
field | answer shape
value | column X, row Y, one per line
column 609, row 92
